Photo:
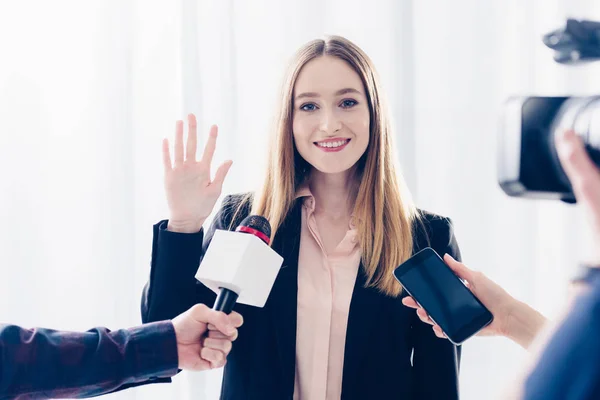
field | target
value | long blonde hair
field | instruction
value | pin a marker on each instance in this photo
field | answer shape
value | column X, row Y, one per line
column 383, row 208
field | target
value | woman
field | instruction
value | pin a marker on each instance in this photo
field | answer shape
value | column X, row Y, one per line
column 334, row 324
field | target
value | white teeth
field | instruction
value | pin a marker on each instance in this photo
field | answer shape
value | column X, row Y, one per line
column 332, row 144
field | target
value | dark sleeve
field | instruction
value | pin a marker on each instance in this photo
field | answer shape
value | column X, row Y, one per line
column 436, row 361
column 43, row 363
column 173, row 288
column 569, row 367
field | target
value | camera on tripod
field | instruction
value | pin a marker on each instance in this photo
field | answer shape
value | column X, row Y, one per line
column 528, row 165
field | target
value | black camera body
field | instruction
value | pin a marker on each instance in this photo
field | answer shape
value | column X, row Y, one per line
column 528, row 165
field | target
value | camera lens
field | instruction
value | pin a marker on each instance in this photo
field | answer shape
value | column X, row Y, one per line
column 582, row 115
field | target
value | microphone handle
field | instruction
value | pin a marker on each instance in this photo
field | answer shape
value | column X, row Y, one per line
column 225, row 301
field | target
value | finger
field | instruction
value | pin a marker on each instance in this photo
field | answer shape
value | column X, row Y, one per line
column 459, row 269
column 211, row 145
column 214, row 334
column 203, row 314
column 178, row 146
column 235, row 319
column 211, row 327
column 222, row 173
column 215, row 357
column 574, row 157
column 410, row 302
column 423, row 316
column 583, row 174
column 200, row 365
column 223, row 345
column 192, row 139
column 166, row 152
column 438, row 332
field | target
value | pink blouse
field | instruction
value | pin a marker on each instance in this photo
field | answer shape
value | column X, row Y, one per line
column 325, row 286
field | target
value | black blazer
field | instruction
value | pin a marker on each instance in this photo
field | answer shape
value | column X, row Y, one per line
column 389, row 352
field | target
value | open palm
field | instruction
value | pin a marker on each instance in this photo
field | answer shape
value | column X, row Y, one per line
column 191, row 191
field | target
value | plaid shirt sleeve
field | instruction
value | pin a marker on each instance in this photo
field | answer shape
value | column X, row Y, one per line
column 42, row 363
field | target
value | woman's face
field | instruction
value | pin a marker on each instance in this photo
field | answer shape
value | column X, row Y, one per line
column 331, row 115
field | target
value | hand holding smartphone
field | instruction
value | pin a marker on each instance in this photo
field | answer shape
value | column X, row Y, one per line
column 449, row 303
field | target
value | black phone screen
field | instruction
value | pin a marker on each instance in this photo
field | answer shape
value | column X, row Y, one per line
column 442, row 294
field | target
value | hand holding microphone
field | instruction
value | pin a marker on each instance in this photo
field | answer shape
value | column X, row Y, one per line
column 194, row 351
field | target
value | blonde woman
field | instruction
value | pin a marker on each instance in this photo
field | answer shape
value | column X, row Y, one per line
column 334, row 325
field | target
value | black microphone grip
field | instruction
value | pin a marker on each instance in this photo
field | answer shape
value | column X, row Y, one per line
column 225, row 301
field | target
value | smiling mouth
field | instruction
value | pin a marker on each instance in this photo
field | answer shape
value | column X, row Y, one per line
column 332, row 144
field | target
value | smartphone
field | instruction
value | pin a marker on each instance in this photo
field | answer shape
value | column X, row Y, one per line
column 447, row 300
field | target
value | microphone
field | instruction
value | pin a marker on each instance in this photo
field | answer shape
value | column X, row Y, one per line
column 240, row 266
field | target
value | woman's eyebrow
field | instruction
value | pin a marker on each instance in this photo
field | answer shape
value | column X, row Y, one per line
column 338, row 93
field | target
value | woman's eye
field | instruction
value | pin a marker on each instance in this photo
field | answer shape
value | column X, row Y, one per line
column 349, row 103
column 308, row 107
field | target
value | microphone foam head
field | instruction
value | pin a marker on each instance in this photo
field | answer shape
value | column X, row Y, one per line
column 257, row 223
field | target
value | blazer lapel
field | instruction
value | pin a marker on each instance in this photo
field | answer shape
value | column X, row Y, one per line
column 365, row 309
column 283, row 300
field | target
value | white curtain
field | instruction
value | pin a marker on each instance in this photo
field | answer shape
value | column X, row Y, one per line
column 89, row 88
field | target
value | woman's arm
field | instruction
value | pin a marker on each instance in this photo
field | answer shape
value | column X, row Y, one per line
column 179, row 243
column 172, row 287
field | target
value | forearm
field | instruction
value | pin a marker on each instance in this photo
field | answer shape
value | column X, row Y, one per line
column 42, row 362
column 177, row 252
column 172, row 288
column 524, row 324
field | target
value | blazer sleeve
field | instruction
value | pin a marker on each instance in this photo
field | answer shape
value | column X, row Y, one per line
column 436, row 361
column 172, row 287
column 43, row 363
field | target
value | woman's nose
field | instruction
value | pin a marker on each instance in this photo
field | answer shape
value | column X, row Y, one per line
column 330, row 122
